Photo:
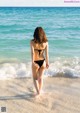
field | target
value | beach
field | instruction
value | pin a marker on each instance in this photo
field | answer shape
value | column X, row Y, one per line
column 60, row 95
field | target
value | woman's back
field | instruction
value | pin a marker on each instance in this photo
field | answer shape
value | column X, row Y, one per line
column 39, row 50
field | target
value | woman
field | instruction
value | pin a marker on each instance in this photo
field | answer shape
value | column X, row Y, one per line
column 39, row 53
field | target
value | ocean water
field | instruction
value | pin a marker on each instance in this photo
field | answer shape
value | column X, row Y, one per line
column 62, row 27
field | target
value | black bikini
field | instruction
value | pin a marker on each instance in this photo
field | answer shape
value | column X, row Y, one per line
column 39, row 62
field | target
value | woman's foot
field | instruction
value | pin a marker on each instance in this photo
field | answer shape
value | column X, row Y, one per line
column 41, row 92
column 36, row 95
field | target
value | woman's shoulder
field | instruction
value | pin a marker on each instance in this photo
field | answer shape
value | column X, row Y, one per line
column 45, row 43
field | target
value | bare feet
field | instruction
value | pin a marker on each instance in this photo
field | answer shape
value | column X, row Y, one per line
column 36, row 95
column 41, row 92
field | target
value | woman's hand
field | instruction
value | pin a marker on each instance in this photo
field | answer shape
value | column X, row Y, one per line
column 47, row 65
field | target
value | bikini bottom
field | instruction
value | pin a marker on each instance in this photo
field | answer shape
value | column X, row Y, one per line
column 39, row 62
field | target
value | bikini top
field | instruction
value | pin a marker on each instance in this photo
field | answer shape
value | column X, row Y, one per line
column 39, row 50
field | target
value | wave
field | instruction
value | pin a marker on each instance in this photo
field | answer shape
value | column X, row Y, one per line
column 15, row 28
column 14, row 31
column 66, row 28
column 14, row 70
column 59, row 66
column 10, row 26
column 69, row 67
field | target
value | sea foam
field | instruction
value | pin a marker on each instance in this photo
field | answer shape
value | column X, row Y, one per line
column 59, row 67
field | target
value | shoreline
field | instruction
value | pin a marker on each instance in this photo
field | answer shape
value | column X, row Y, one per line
column 61, row 95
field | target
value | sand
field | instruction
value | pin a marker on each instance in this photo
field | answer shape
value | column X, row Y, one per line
column 60, row 95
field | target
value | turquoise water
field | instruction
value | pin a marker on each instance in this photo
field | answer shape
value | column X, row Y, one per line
column 62, row 29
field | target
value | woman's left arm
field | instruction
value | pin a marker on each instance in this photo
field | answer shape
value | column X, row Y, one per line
column 32, row 52
column 47, row 55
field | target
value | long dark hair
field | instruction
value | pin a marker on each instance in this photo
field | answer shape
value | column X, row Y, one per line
column 39, row 35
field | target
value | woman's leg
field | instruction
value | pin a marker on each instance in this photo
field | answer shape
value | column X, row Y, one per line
column 40, row 77
column 35, row 69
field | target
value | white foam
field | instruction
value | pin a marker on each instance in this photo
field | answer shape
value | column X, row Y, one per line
column 60, row 66
column 67, row 67
column 12, row 70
